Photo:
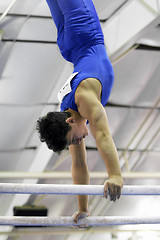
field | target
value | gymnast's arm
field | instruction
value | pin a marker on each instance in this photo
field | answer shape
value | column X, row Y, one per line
column 90, row 108
column 80, row 174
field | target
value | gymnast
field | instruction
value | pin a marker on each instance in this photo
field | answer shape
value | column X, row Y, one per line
column 83, row 96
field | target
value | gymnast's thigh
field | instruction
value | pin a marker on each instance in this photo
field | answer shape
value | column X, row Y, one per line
column 81, row 22
column 56, row 14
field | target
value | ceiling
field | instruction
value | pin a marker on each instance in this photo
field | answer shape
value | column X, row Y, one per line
column 32, row 71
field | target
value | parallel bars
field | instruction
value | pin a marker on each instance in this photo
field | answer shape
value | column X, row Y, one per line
column 68, row 221
column 15, row 188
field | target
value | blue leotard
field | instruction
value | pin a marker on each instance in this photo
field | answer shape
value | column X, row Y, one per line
column 80, row 40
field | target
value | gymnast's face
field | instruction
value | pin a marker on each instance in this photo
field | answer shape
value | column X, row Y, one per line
column 78, row 131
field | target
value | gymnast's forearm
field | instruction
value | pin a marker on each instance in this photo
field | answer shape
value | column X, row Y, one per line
column 108, row 152
column 80, row 175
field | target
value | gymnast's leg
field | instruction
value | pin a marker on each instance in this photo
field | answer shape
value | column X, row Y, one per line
column 78, row 26
column 82, row 28
column 68, row 6
column 56, row 14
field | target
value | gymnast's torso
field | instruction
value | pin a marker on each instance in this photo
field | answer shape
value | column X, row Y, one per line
column 92, row 62
column 81, row 42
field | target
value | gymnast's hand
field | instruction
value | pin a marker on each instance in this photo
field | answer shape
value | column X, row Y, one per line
column 113, row 187
column 79, row 215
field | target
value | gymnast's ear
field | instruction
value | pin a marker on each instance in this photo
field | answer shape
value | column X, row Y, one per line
column 70, row 120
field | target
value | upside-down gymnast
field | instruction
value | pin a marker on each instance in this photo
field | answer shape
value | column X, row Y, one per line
column 81, row 42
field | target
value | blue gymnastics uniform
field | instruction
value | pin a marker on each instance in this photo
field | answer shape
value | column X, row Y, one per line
column 81, row 42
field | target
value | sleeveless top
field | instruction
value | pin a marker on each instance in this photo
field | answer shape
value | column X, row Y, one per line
column 92, row 63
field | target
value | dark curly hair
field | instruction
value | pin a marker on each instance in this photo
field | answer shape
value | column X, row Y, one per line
column 53, row 130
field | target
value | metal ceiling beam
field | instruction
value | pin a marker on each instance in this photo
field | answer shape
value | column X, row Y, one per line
column 67, row 175
column 123, row 154
column 120, row 8
column 27, row 41
column 148, row 48
column 49, row 17
column 132, row 42
column 143, row 136
column 109, row 104
column 17, row 15
column 156, row 134
column 148, row 7
column 88, row 148
column 7, row 10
